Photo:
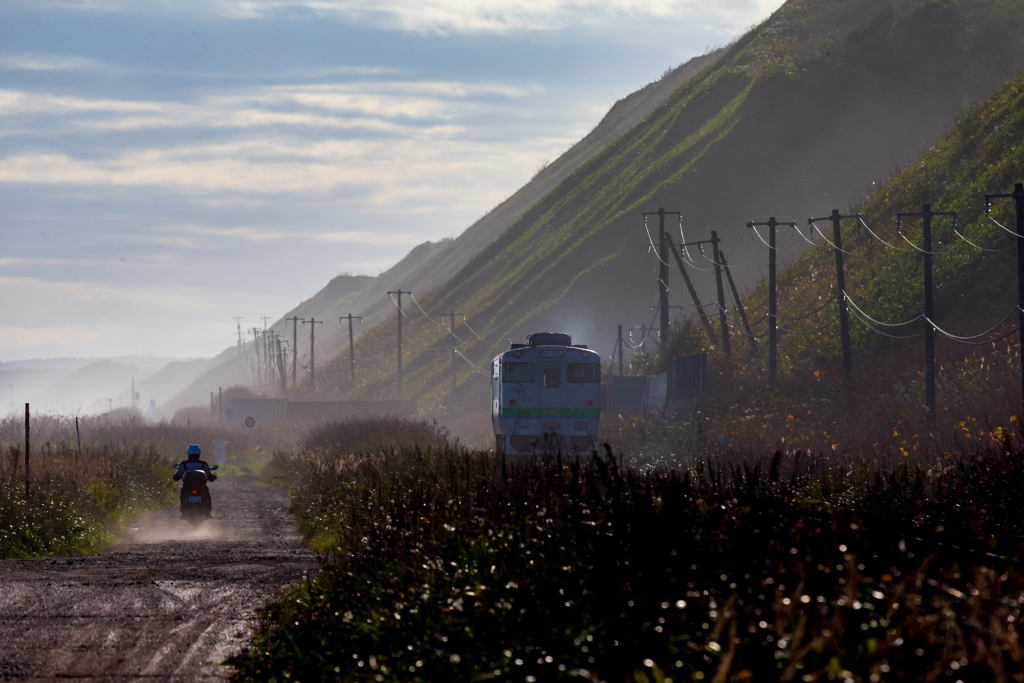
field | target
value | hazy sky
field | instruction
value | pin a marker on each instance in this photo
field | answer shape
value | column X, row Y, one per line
column 167, row 165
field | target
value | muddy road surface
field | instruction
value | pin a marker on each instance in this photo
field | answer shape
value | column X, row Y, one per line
column 167, row 604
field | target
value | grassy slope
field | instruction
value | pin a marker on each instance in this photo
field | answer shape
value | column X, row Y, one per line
column 625, row 114
column 974, row 290
column 805, row 109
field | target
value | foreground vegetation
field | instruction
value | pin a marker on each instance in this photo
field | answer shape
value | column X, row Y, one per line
column 445, row 564
column 81, row 498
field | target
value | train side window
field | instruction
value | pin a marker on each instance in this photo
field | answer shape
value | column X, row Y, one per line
column 518, row 372
column 552, row 378
column 583, row 373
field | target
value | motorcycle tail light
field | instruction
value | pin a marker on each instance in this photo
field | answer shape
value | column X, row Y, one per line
column 195, row 492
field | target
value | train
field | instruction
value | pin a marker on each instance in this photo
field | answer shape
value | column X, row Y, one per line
column 546, row 397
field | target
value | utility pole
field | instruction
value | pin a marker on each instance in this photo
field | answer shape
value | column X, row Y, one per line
column 351, row 342
column 451, row 320
column 399, row 292
column 844, row 318
column 739, row 304
column 268, row 375
column 662, row 269
column 312, row 322
column 295, row 320
column 282, row 376
column 28, row 455
column 773, row 327
column 1018, row 196
column 689, row 285
column 220, row 405
column 256, row 350
column 926, row 214
column 620, row 350
column 238, row 324
column 133, row 393
column 721, row 293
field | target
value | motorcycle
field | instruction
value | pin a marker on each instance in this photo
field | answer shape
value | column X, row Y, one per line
column 197, row 502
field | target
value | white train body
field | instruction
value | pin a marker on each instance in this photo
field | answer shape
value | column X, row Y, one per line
column 546, row 397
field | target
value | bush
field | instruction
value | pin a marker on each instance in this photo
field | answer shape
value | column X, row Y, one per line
column 447, row 564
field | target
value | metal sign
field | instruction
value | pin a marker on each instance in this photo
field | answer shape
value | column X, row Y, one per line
column 250, row 422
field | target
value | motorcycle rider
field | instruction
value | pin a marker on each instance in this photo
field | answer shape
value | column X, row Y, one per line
column 194, row 463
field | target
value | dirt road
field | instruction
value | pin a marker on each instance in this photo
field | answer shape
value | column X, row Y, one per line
column 170, row 603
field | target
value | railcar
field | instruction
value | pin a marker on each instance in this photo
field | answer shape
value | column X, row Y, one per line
column 545, row 396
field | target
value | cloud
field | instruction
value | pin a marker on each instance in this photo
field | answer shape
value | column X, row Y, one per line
column 146, row 261
column 264, row 234
column 42, row 61
column 70, row 335
column 462, row 16
column 176, row 298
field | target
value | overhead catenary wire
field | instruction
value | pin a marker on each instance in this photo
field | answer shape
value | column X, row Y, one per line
column 917, row 248
column 685, row 303
column 989, row 331
column 866, row 324
column 1002, row 226
column 737, row 326
column 650, row 240
column 854, row 305
column 957, row 233
column 754, row 227
column 466, row 323
column 804, row 317
column 873, row 234
column 811, row 242
column 404, row 314
column 475, row 366
column 650, row 329
column 425, row 315
column 682, row 239
column 833, row 321
column 988, row 341
column 433, row 351
column 830, row 243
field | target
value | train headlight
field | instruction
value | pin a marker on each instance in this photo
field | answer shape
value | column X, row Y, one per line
column 590, row 403
column 511, row 401
column 517, row 354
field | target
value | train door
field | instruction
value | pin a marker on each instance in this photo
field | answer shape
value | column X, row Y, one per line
column 552, row 396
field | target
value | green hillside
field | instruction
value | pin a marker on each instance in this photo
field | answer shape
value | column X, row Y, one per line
column 625, row 114
column 798, row 117
column 975, row 291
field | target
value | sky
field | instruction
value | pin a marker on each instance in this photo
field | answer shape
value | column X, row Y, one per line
column 168, row 165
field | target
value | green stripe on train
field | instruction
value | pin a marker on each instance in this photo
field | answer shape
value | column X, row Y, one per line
column 549, row 412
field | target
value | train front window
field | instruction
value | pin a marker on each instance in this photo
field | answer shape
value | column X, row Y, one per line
column 583, row 373
column 518, row 372
column 552, row 378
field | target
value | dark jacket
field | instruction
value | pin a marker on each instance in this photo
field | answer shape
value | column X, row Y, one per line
column 190, row 465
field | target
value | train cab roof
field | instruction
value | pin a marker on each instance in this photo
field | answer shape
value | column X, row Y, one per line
column 545, row 340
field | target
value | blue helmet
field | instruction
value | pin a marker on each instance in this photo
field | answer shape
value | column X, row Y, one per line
column 193, row 450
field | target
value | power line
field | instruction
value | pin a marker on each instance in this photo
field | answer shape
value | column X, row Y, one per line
column 975, row 336
column 868, row 228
